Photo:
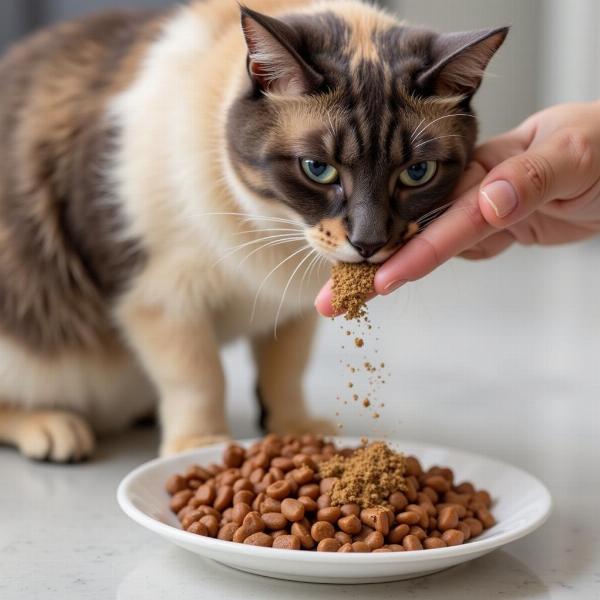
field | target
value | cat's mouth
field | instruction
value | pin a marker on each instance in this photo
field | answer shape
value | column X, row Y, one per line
column 330, row 238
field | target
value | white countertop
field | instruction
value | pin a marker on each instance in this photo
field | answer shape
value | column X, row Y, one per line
column 499, row 358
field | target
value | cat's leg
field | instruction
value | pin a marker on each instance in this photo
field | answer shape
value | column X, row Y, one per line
column 281, row 363
column 182, row 359
column 59, row 436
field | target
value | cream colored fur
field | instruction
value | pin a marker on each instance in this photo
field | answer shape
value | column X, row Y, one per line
column 174, row 181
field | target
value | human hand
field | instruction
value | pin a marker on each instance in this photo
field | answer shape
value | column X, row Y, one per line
column 536, row 184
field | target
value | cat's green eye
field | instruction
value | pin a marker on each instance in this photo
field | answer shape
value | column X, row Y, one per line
column 418, row 174
column 319, row 171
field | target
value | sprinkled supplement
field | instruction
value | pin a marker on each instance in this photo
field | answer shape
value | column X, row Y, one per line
column 352, row 284
column 367, row 477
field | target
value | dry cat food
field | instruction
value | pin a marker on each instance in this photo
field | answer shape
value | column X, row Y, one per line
column 352, row 284
column 279, row 493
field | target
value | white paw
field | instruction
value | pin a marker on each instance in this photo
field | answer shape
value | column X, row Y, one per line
column 188, row 442
column 300, row 426
column 55, row 436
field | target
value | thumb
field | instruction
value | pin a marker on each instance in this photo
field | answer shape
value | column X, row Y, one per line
column 563, row 166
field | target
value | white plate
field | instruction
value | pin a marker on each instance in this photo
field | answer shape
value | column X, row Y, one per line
column 521, row 504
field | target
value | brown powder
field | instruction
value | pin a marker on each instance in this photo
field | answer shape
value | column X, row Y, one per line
column 352, row 284
column 366, row 403
column 359, row 342
column 367, row 477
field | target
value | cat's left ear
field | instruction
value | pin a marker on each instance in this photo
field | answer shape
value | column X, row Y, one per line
column 459, row 61
column 273, row 59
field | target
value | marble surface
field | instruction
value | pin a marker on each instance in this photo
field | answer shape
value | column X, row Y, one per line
column 498, row 357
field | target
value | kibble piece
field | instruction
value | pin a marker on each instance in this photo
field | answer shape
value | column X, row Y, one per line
column 274, row 520
column 350, row 509
column 309, row 504
column 224, row 497
column 191, row 517
column 466, row 530
column 243, row 496
column 398, row 500
column 331, row 514
column 418, row 532
column 408, row 518
column 396, row 548
column 374, row 540
column 292, row 510
column 453, row 537
column 412, row 542
column 310, row 489
column 322, row 530
column 226, row 532
column 303, row 533
column 475, row 526
column 198, row 528
column 180, row 499
column 211, row 523
column 465, row 488
column 176, row 483
column 381, row 550
column 239, row 512
column 346, row 548
column 287, row 542
column 279, row 490
column 206, row 494
column 360, row 547
column 486, row 517
column 376, row 518
column 259, row 539
column 270, row 505
column 324, row 501
column 350, row 524
column 448, row 518
column 433, row 542
column 483, row 497
column 398, row 533
column 328, row 545
column 343, row 538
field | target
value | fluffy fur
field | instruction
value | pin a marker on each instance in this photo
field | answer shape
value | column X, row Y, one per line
column 146, row 156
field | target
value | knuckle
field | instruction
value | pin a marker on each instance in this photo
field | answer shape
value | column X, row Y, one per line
column 580, row 150
column 539, row 173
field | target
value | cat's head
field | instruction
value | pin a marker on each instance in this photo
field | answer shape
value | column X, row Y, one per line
column 354, row 124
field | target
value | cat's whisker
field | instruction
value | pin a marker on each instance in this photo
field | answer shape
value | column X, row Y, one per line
column 279, row 237
column 269, row 245
column 416, row 131
column 435, row 210
column 306, row 273
column 424, row 129
column 295, row 229
column 439, row 137
column 267, row 277
column 285, row 289
column 251, row 217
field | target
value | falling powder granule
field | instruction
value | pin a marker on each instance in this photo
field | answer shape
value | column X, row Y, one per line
column 352, row 284
column 367, row 477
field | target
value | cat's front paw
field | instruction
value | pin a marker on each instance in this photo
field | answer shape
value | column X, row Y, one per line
column 188, row 442
column 56, row 436
column 300, row 426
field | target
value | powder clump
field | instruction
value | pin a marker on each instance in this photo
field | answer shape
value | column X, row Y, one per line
column 352, row 284
column 368, row 476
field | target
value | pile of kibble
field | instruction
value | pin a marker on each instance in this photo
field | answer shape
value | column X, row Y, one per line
column 272, row 495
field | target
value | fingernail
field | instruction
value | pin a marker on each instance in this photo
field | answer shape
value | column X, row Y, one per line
column 501, row 196
column 393, row 286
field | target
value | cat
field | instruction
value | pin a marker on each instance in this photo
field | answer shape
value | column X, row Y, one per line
column 168, row 182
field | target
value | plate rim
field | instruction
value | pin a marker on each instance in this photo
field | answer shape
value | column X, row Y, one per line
column 474, row 547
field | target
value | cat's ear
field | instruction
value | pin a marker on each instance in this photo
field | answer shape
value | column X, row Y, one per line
column 273, row 59
column 459, row 61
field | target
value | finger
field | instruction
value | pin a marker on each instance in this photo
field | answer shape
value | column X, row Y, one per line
column 490, row 246
column 462, row 227
column 564, row 166
column 323, row 300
